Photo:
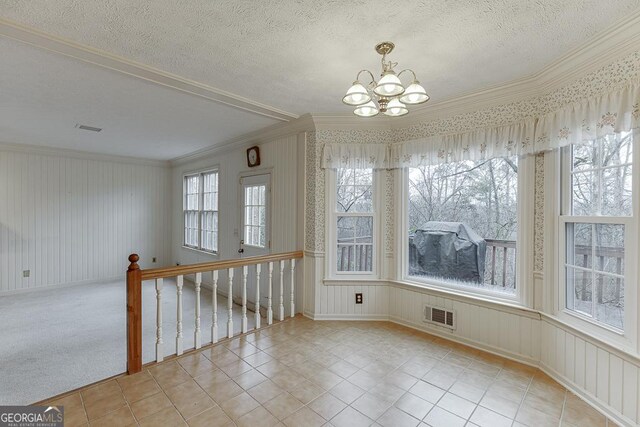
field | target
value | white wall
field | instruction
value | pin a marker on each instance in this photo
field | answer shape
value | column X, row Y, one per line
column 283, row 158
column 75, row 218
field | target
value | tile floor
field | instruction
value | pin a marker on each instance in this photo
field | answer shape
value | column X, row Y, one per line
column 305, row 373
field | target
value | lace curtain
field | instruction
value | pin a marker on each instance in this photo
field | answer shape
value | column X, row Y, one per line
column 613, row 112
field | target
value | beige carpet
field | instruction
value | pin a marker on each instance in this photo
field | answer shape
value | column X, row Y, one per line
column 56, row 340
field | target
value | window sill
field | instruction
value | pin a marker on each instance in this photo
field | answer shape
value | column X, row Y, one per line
column 212, row 254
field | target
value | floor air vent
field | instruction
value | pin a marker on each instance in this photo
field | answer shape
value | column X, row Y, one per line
column 439, row 316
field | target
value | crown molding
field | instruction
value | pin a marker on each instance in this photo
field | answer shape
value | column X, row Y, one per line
column 77, row 154
column 620, row 39
column 327, row 121
column 302, row 124
column 126, row 66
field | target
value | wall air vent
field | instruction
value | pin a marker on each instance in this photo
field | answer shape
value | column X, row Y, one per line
column 439, row 316
column 91, row 128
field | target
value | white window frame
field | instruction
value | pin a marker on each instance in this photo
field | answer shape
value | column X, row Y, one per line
column 627, row 339
column 200, row 174
column 331, row 241
column 524, row 243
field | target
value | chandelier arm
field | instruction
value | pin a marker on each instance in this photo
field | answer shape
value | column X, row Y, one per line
column 415, row 78
column 373, row 79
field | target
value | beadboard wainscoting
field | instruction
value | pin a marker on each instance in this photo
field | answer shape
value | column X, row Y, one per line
column 606, row 377
column 74, row 218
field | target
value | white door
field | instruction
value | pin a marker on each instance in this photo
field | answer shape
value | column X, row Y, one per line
column 256, row 216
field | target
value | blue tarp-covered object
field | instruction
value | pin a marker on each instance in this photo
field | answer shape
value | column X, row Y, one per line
column 449, row 250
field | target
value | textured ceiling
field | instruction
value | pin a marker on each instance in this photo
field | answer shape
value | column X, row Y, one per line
column 43, row 95
column 301, row 55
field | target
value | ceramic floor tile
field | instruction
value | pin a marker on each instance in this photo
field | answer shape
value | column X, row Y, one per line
column 304, row 417
column 283, row 405
column 239, row 405
column 293, row 374
column 413, row 405
column 214, row 417
column 427, row 391
column 486, row 418
column 327, row 406
column 394, row 417
column 439, row 417
column 457, row 405
column 349, row 417
column 150, row 405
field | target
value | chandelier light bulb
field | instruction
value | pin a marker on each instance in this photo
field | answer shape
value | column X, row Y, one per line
column 414, row 94
column 387, row 95
column 389, row 85
column 395, row 108
column 369, row 109
column 356, row 95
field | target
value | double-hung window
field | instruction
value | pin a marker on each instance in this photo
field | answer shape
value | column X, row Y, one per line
column 200, row 208
column 598, row 229
column 462, row 225
column 353, row 214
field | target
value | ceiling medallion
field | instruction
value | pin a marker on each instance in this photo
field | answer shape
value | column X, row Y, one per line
column 387, row 95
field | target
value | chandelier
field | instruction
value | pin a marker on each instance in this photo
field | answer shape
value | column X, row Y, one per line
column 387, row 95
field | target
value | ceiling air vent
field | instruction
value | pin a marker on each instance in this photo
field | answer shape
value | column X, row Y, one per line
column 439, row 316
column 91, row 128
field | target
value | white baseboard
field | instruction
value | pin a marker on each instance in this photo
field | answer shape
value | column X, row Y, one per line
column 63, row 285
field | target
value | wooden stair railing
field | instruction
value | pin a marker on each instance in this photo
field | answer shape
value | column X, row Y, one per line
column 135, row 277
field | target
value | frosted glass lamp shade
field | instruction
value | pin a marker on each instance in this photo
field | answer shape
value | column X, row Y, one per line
column 396, row 108
column 369, row 109
column 356, row 95
column 414, row 94
column 389, row 86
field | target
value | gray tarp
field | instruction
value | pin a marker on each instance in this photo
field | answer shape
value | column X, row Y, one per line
column 450, row 250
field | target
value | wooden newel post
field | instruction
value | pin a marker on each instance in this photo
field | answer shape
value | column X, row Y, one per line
column 134, row 316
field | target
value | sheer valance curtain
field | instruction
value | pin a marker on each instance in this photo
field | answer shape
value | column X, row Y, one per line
column 617, row 111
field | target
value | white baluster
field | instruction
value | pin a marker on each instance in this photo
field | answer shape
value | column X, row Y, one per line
column 196, row 335
column 270, row 295
column 159, row 342
column 230, row 303
column 257, row 306
column 292, row 281
column 244, row 299
column 214, row 308
column 179, row 284
column 281, row 312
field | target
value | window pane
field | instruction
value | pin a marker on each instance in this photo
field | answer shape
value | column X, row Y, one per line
column 601, row 176
column 595, row 271
column 355, row 243
column 346, row 229
column 579, row 246
column 354, row 188
column 609, row 307
column 579, row 290
column 463, row 223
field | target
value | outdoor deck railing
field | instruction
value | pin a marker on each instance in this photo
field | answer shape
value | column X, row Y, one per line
column 135, row 277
